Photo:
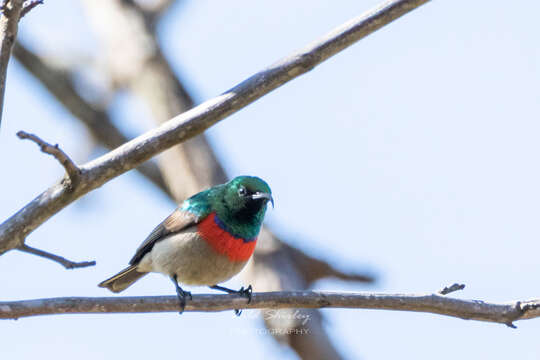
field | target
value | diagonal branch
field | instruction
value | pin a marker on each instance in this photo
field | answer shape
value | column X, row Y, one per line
column 60, row 83
column 504, row 313
column 193, row 122
column 73, row 172
column 68, row 264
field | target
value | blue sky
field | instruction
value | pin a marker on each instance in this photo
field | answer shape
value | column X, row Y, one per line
column 413, row 154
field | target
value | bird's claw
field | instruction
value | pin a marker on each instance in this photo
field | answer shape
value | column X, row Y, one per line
column 248, row 293
column 181, row 294
column 182, row 298
column 182, row 301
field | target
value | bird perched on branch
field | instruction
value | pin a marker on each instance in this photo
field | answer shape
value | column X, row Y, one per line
column 206, row 241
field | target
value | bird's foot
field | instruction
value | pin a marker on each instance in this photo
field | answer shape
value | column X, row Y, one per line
column 182, row 301
column 188, row 295
column 182, row 295
column 247, row 293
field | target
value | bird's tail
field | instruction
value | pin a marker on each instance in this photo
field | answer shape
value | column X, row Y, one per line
column 123, row 279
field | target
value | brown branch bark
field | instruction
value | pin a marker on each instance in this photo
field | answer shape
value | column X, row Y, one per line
column 9, row 22
column 68, row 264
column 193, row 122
column 503, row 313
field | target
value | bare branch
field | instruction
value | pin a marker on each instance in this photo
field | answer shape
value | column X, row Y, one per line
column 504, row 313
column 60, row 84
column 73, row 172
column 9, row 23
column 68, row 264
column 193, row 122
column 450, row 289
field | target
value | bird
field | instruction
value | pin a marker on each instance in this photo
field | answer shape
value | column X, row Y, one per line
column 207, row 240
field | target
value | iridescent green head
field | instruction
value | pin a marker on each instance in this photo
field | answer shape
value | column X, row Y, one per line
column 247, row 194
column 239, row 204
column 243, row 205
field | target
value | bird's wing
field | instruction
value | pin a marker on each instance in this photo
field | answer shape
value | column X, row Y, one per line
column 177, row 221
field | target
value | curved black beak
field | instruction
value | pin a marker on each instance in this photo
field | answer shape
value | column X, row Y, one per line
column 261, row 195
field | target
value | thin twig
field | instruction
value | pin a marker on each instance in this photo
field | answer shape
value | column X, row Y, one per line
column 68, row 264
column 193, row 122
column 504, row 313
column 450, row 289
column 74, row 173
column 28, row 6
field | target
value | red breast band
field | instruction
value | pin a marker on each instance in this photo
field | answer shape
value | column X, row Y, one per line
column 235, row 248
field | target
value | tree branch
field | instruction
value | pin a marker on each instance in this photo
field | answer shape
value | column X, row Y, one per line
column 68, row 264
column 193, row 122
column 9, row 23
column 60, row 84
column 73, row 172
column 504, row 313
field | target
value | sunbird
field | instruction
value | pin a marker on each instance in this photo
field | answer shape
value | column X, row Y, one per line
column 205, row 241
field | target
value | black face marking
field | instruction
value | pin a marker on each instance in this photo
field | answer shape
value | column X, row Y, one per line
column 247, row 213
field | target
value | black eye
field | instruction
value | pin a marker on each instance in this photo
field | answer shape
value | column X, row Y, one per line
column 242, row 191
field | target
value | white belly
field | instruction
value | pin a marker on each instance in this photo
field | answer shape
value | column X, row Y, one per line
column 191, row 259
